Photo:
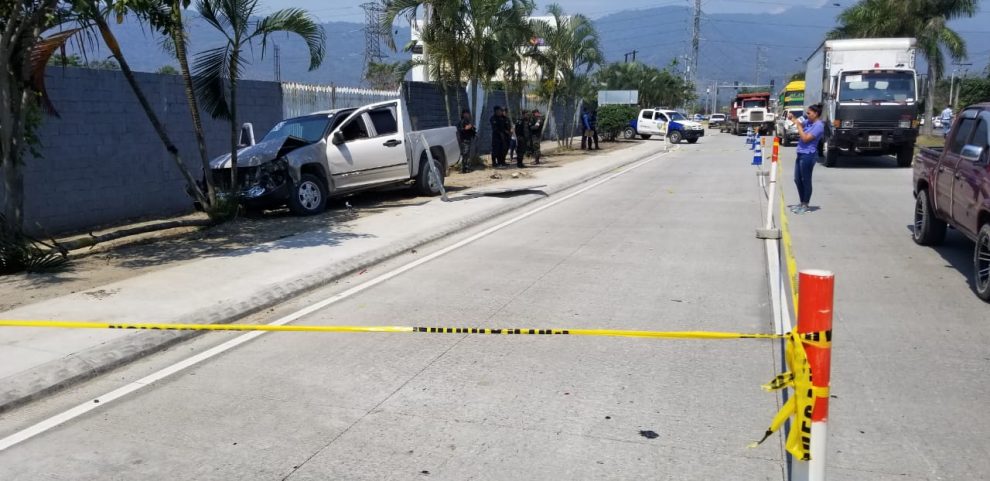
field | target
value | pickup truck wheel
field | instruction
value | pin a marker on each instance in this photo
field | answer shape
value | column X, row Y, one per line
column 309, row 196
column 905, row 154
column 981, row 264
column 675, row 137
column 645, row 136
column 628, row 133
column 426, row 184
column 928, row 229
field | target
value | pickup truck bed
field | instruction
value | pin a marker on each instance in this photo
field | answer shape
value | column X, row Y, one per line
column 952, row 188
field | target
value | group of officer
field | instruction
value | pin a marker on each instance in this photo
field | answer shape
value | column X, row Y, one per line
column 508, row 140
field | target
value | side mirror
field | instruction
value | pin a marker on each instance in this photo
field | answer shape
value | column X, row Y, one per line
column 972, row 153
column 247, row 135
column 338, row 138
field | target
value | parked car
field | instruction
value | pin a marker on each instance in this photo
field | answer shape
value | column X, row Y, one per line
column 652, row 122
column 303, row 161
column 716, row 121
column 787, row 130
column 698, row 118
column 952, row 187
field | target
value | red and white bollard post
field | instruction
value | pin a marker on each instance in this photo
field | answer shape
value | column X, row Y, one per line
column 816, row 293
column 771, row 197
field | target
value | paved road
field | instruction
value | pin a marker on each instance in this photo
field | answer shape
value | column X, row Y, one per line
column 912, row 341
column 668, row 246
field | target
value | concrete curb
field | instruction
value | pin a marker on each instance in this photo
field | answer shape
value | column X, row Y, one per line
column 46, row 379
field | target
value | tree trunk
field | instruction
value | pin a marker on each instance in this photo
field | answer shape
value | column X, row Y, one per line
column 233, row 123
column 179, row 39
column 114, row 47
column 12, row 120
column 928, row 128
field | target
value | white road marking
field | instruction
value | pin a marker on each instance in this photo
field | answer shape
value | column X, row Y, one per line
column 79, row 410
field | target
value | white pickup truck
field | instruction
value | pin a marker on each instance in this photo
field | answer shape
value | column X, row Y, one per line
column 671, row 123
column 305, row 160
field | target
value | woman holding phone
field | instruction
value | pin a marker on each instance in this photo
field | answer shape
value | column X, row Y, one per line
column 810, row 130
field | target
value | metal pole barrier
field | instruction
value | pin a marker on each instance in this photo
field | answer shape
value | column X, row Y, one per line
column 816, row 291
column 434, row 173
column 773, row 183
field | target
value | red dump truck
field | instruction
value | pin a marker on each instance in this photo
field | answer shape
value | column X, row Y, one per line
column 751, row 110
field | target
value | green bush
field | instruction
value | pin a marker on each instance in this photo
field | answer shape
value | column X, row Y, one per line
column 974, row 91
column 612, row 119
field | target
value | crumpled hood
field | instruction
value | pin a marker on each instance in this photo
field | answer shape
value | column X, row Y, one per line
column 252, row 156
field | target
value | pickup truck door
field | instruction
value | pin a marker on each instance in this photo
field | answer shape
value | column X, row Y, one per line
column 367, row 156
column 970, row 180
column 646, row 124
column 663, row 123
column 945, row 171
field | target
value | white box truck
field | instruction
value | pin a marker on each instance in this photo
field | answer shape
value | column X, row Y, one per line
column 868, row 89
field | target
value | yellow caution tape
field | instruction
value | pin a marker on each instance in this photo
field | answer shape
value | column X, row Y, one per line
column 802, row 403
column 798, row 377
column 789, row 260
column 425, row 330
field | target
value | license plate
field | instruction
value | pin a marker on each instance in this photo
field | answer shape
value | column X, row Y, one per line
column 876, row 138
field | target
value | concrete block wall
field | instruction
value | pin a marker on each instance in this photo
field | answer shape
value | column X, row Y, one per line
column 102, row 163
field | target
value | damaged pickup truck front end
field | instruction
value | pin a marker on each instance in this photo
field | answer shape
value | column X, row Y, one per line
column 263, row 175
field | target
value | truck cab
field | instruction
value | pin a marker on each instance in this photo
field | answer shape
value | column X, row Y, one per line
column 872, row 112
column 751, row 111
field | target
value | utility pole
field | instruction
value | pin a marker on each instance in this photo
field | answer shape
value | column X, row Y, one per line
column 633, row 53
column 952, row 84
column 695, row 40
column 761, row 60
column 278, row 65
column 373, row 34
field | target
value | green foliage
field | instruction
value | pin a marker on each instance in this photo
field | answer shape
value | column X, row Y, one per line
column 167, row 70
column 386, row 76
column 796, row 76
column 656, row 87
column 74, row 60
column 973, row 91
column 20, row 252
column 612, row 119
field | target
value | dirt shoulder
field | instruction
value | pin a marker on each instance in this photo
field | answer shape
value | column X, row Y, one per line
column 119, row 260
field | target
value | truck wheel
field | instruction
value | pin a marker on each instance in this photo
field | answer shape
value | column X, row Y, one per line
column 785, row 141
column 905, row 154
column 981, row 263
column 629, row 133
column 675, row 137
column 426, row 184
column 928, row 229
column 309, row 196
column 831, row 156
column 645, row 136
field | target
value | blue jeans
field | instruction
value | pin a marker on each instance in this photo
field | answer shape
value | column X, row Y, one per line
column 802, row 175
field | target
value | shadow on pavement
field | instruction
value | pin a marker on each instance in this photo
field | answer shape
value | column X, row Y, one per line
column 865, row 162
column 957, row 251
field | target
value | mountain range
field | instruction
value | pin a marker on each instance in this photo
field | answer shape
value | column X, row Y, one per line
column 732, row 46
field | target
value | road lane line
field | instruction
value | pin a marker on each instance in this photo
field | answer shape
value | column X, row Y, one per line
column 83, row 408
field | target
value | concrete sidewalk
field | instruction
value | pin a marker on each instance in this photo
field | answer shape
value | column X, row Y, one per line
column 34, row 362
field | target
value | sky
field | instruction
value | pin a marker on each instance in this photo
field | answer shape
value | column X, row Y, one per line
column 350, row 10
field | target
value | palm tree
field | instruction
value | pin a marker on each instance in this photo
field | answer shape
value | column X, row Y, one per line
column 459, row 32
column 217, row 70
column 571, row 48
column 925, row 20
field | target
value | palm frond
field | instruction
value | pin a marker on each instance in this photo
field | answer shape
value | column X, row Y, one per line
column 211, row 70
column 299, row 22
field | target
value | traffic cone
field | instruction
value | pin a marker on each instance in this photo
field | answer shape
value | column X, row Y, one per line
column 757, row 154
column 752, row 141
column 749, row 136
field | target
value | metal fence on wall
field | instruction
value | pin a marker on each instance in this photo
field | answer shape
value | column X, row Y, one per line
column 300, row 99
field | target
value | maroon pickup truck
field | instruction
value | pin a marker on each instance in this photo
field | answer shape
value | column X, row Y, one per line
column 952, row 187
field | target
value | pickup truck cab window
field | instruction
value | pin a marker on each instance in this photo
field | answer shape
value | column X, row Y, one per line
column 384, row 121
column 961, row 135
column 355, row 129
column 311, row 128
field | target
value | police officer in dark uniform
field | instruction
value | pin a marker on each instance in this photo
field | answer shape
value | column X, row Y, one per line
column 535, row 135
column 522, row 138
column 466, row 133
column 500, row 137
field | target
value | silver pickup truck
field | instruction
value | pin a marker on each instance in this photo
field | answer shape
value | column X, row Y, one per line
column 305, row 160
